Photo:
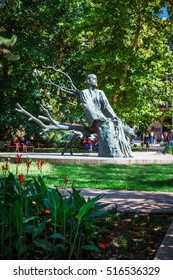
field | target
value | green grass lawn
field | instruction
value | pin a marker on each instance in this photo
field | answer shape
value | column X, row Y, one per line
column 133, row 177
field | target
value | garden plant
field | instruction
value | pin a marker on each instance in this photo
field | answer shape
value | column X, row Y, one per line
column 38, row 222
column 41, row 222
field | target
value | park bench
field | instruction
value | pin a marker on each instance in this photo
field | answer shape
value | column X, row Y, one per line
column 12, row 148
column 156, row 148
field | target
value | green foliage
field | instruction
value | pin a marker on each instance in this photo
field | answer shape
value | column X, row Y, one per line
column 6, row 53
column 43, row 43
column 37, row 222
column 127, row 47
column 123, row 42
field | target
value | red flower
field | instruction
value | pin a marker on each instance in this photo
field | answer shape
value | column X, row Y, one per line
column 102, row 245
column 65, row 180
column 47, row 211
column 40, row 164
column 5, row 167
column 28, row 163
column 21, row 178
column 19, row 156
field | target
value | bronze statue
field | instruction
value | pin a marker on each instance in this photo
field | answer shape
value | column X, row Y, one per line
column 113, row 135
column 102, row 119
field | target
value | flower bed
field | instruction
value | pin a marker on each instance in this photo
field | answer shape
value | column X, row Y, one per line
column 38, row 222
column 134, row 236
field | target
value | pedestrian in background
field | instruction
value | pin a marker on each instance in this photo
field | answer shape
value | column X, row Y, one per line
column 155, row 138
column 147, row 139
column 170, row 142
column 152, row 137
column 162, row 139
column 165, row 134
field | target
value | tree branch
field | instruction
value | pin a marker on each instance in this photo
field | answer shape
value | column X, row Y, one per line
column 54, row 125
column 71, row 90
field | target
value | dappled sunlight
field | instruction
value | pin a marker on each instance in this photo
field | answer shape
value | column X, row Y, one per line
column 104, row 176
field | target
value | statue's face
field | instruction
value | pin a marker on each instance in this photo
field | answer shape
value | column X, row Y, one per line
column 92, row 80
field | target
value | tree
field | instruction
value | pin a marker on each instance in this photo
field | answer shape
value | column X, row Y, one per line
column 6, row 57
column 41, row 32
column 126, row 44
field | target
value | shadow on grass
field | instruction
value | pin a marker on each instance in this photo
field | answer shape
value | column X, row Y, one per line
column 133, row 177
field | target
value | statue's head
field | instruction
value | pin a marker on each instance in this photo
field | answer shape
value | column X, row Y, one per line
column 91, row 80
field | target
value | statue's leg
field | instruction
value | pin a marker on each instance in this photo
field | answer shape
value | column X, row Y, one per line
column 108, row 141
column 65, row 148
column 71, row 149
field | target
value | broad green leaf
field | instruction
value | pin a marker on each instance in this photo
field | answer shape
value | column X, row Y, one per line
column 39, row 229
column 44, row 244
column 17, row 216
column 42, row 184
column 87, row 206
column 91, row 248
column 54, row 199
column 25, row 220
column 59, row 236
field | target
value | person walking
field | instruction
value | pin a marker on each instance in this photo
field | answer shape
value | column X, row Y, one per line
column 170, row 142
column 75, row 136
column 147, row 139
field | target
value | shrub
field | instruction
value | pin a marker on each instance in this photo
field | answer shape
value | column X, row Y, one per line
column 38, row 222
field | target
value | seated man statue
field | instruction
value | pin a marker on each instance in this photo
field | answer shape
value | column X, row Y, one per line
column 113, row 138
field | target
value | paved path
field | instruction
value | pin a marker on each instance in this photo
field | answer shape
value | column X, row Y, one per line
column 140, row 201
column 138, row 158
column 159, row 202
